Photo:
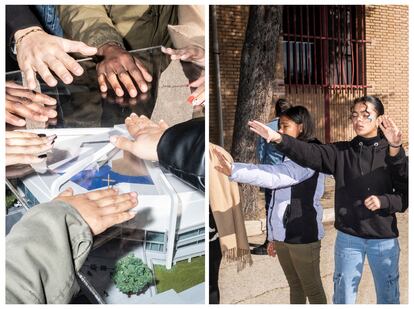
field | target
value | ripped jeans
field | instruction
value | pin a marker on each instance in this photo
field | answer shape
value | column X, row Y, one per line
column 383, row 258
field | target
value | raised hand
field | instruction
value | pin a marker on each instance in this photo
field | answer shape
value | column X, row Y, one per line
column 225, row 165
column 264, row 131
column 101, row 209
column 391, row 132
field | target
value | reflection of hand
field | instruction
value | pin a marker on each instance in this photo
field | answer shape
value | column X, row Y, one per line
column 264, row 131
column 25, row 147
column 120, row 66
column 190, row 53
column 271, row 250
column 372, row 203
column 225, row 165
column 391, row 132
column 125, row 100
column 41, row 52
column 21, row 103
column 146, row 133
column 101, row 209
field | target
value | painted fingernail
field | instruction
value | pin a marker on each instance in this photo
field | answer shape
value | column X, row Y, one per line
column 190, row 99
column 42, row 156
column 41, row 135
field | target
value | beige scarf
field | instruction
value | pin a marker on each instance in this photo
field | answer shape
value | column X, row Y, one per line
column 227, row 212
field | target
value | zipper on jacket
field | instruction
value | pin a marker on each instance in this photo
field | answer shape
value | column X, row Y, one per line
column 359, row 157
column 270, row 214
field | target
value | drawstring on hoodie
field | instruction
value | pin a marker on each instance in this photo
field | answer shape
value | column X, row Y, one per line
column 361, row 144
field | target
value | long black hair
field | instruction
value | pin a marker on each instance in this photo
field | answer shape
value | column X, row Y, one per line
column 300, row 115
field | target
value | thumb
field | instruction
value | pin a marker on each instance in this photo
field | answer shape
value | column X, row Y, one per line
column 78, row 47
column 122, row 143
column 66, row 192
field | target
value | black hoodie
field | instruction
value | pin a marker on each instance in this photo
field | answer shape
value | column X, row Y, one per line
column 360, row 170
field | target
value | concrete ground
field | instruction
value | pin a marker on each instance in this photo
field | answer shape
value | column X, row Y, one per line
column 265, row 283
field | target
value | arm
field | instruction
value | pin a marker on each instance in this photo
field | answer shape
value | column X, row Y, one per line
column 277, row 176
column 44, row 250
column 89, row 24
column 181, row 151
column 394, row 202
column 398, row 164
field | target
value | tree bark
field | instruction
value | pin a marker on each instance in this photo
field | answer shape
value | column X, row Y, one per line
column 257, row 72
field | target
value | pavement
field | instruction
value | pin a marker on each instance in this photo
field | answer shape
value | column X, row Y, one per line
column 265, row 283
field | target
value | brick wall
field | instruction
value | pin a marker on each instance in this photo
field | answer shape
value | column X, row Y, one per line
column 387, row 59
column 386, row 69
column 231, row 27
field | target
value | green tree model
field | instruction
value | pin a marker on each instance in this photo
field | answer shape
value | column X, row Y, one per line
column 131, row 275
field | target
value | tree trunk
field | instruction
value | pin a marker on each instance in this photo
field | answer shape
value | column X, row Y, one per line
column 257, row 72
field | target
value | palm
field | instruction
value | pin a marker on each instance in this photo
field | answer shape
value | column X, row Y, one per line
column 391, row 132
column 264, row 131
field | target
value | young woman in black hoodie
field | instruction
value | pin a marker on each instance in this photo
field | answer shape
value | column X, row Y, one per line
column 366, row 199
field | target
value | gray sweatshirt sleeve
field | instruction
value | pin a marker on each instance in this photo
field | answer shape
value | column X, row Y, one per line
column 43, row 252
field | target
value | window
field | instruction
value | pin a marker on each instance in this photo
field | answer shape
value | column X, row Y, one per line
column 324, row 46
column 192, row 233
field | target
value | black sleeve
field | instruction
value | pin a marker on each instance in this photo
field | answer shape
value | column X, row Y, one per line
column 320, row 158
column 398, row 166
column 394, row 202
column 181, row 151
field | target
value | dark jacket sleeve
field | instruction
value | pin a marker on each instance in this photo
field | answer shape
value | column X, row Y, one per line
column 181, row 151
column 44, row 250
column 398, row 166
column 394, row 202
column 320, row 158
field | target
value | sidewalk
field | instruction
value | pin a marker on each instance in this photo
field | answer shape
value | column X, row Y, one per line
column 265, row 283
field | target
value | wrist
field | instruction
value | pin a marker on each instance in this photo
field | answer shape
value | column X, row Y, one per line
column 110, row 46
column 395, row 146
column 20, row 35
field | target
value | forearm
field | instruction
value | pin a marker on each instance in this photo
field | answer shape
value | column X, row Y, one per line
column 44, row 250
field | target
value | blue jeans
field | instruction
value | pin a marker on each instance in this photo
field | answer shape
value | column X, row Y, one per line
column 49, row 18
column 383, row 258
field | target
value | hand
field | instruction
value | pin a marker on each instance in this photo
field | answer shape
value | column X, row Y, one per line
column 271, row 250
column 101, row 209
column 146, row 133
column 225, row 165
column 190, row 53
column 372, row 203
column 193, row 54
column 391, row 132
column 119, row 66
column 27, row 148
column 264, row 131
column 41, row 52
column 21, row 104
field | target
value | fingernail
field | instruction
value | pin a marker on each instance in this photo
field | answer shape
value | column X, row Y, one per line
column 132, row 213
column 103, row 89
column 190, row 99
column 133, row 194
column 133, row 115
column 113, row 139
column 128, row 119
column 144, row 87
column 41, row 135
column 42, row 156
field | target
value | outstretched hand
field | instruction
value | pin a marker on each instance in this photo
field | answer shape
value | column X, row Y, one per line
column 225, row 165
column 101, row 209
column 146, row 134
column 264, row 131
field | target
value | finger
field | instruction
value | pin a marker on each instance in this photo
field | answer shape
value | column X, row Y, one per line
column 70, row 63
column 198, row 82
column 117, row 208
column 163, row 124
column 44, row 72
column 20, row 134
column 60, row 70
column 29, row 74
column 66, row 192
column 35, row 109
column 12, row 159
column 115, row 199
column 14, row 85
column 31, row 95
column 102, row 83
column 147, row 76
column 113, row 81
column 27, row 141
column 100, row 194
column 127, row 82
column 118, row 218
column 200, row 99
column 14, row 120
column 32, row 149
column 78, row 47
column 24, row 111
column 122, row 143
